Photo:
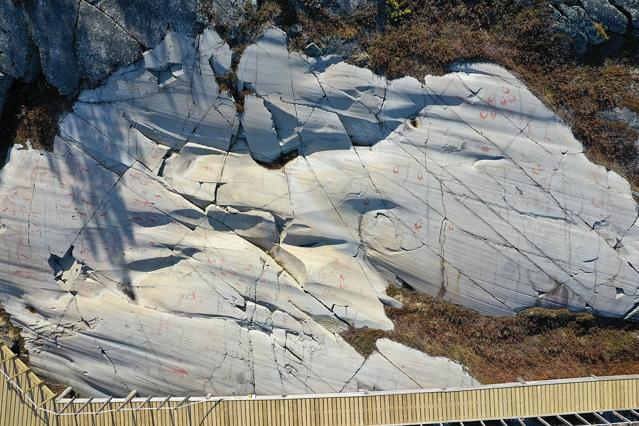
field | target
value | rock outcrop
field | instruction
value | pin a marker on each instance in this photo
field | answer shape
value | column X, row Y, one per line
column 71, row 41
column 173, row 245
column 5, row 85
column 591, row 22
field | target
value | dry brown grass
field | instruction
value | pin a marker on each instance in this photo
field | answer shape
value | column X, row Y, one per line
column 438, row 32
column 522, row 41
column 31, row 115
column 537, row 344
column 9, row 333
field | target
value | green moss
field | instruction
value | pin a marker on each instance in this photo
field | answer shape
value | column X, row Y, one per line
column 398, row 9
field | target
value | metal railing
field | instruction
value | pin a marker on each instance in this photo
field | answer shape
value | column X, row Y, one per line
column 26, row 400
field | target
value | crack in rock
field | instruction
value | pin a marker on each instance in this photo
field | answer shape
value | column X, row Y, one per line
column 218, row 251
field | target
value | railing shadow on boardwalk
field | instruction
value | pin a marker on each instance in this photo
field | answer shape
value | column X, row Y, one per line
column 26, row 400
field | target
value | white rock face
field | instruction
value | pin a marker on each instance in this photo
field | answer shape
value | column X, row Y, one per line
column 407, row 368
column 153, row 250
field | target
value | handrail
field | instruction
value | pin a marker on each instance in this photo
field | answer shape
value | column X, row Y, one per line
column 559, row 397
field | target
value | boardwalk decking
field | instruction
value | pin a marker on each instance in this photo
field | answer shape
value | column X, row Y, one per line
column 25, row 400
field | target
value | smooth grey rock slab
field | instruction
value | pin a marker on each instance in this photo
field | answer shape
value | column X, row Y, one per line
column 101, row 44
column 221, row 54
column 260, row 131
column 53, row 26
column 152, row 251
column 409, row 369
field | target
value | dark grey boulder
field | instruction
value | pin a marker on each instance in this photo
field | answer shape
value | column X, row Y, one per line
column 148, row 22
column 5, row 85
column 227, row 12
column 574, row 22
column 313, row 50
column 53, row 30
column 601, row 11
column 18, row 56
column 101, row 44
column 349, row 6
column 630, row 8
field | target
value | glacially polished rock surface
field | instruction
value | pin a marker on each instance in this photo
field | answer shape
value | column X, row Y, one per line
column 173, row 245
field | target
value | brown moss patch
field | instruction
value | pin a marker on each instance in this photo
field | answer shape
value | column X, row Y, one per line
column 30, row 115
column 537, row 344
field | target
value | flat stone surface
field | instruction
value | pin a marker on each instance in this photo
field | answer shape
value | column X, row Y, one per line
column 409, row 369
column 151, row 250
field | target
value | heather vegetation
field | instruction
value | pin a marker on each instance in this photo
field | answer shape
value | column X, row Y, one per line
column 536, row 344
column 417, row 37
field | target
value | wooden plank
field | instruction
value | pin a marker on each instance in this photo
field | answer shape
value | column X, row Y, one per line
column 510, row 401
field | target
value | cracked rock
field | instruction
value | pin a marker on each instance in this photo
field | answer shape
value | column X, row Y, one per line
column 604, row 12
column 5, row 85
column 53, row 31
column 171, row 245
column 73, row 41
column 101, row 44
column 592, row 22
column 18, row 56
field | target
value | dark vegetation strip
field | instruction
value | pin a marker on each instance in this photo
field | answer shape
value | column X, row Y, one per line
column 536, row 344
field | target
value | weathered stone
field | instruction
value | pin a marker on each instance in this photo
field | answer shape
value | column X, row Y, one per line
column 231, row 277
column 573, row 21
column 18, row 56
column 591, row 22
column 623, row 115
column 630, row 8
column 101, row 44
column 53, row 26
column 148, row 22
column 5, row 85
column 601, row 11
column 228, row 12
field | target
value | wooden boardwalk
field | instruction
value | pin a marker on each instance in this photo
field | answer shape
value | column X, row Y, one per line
column 26, row 401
